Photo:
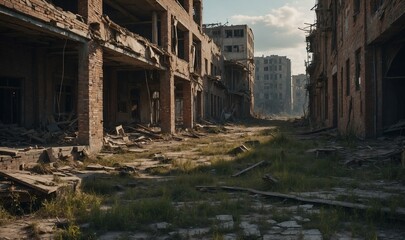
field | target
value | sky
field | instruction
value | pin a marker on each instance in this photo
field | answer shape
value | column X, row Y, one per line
column 275, row 24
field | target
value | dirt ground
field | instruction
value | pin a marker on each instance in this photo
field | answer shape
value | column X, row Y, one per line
column 189, row 173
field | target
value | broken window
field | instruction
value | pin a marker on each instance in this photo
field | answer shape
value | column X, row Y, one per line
column 279, row 67
column 266, row 76
column 228, row 33
column 228, row 48
column 356, row 6
column 347, row 77
column 376, row 4
column 266, row 69
column 358, row 69
column 155, row 107
column 122, row 96
column 235, row 48
column 197, row 12
column 216, row 33
column 63, row 104
column 10, row 100
column 238, row 33
column 341, row 93
column 266, row 61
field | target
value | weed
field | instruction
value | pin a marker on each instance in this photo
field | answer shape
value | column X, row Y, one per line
column 132, row 215
column 71, row 233
column 34, row 230
column 70, row 205
column 5, row 217
column 185, row 166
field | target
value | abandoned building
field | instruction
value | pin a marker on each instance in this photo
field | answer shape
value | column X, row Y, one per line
column 109, row 62
column 299, row 99
column 272, row 85
column 237, row 44
column 356, row 65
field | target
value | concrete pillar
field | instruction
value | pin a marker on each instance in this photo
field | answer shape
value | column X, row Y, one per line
column 167, row 110
column 187, row 105
column 90, row 96
column 154, row 28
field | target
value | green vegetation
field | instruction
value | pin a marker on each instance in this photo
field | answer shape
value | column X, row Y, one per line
column 112, row 202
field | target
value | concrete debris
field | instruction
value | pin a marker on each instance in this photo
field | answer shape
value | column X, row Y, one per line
column 241, row 149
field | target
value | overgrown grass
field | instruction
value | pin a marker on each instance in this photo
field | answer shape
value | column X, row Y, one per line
column 70, row 205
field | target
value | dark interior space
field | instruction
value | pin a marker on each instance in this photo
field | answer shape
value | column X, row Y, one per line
column 393, row 91
column 71, row 5
column 10, row 100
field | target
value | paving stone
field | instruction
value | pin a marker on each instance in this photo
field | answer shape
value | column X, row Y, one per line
column 306, row 206
column 193, row 232
column 226, row 221
column 224, row 218
column 250, row 230
column 312, row 234
column 160, row 226
column 271, row 221
column 292, row 231
column 289, row 224
column 230, row 236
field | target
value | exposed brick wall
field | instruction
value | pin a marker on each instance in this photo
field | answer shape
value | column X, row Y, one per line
column 90, row 95
column 167, row 110
column 359, row 107
column 47, row 12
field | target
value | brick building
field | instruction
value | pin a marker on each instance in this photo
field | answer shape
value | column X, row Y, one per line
column 357, row 78
column 272, row 85
column 237, row 44
column 107, row 62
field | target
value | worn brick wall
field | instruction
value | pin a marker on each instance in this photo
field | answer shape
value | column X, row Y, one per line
column 90, row 95
column 47, row 12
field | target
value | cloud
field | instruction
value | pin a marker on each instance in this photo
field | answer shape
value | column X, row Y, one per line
column 277, row 32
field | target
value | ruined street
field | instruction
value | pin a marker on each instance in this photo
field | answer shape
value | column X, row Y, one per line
column 261, row 179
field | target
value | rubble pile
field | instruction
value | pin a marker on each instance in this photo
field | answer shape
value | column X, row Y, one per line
column 62, row 133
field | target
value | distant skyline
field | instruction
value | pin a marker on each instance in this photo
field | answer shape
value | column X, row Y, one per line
column 275, row 24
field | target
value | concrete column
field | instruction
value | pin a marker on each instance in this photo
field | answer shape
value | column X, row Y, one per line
column 154, row 28
column 90, row 96
column 166, row 31
column 187, row 105
column 167, row 110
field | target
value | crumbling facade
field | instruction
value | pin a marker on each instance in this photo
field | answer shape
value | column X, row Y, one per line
column 299, row 94
column 356, row 66
column 237, row 44
column 105, row 63
column 272, row 85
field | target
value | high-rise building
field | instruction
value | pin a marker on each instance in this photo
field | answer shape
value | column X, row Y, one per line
column 299, row 96
column 272, row 85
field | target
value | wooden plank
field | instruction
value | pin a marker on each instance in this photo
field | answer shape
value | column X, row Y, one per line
column 8, row 151
column 247, row 169
column 35, row 182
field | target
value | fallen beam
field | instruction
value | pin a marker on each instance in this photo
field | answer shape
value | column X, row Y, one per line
column 247, row 169
column 400, row 212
